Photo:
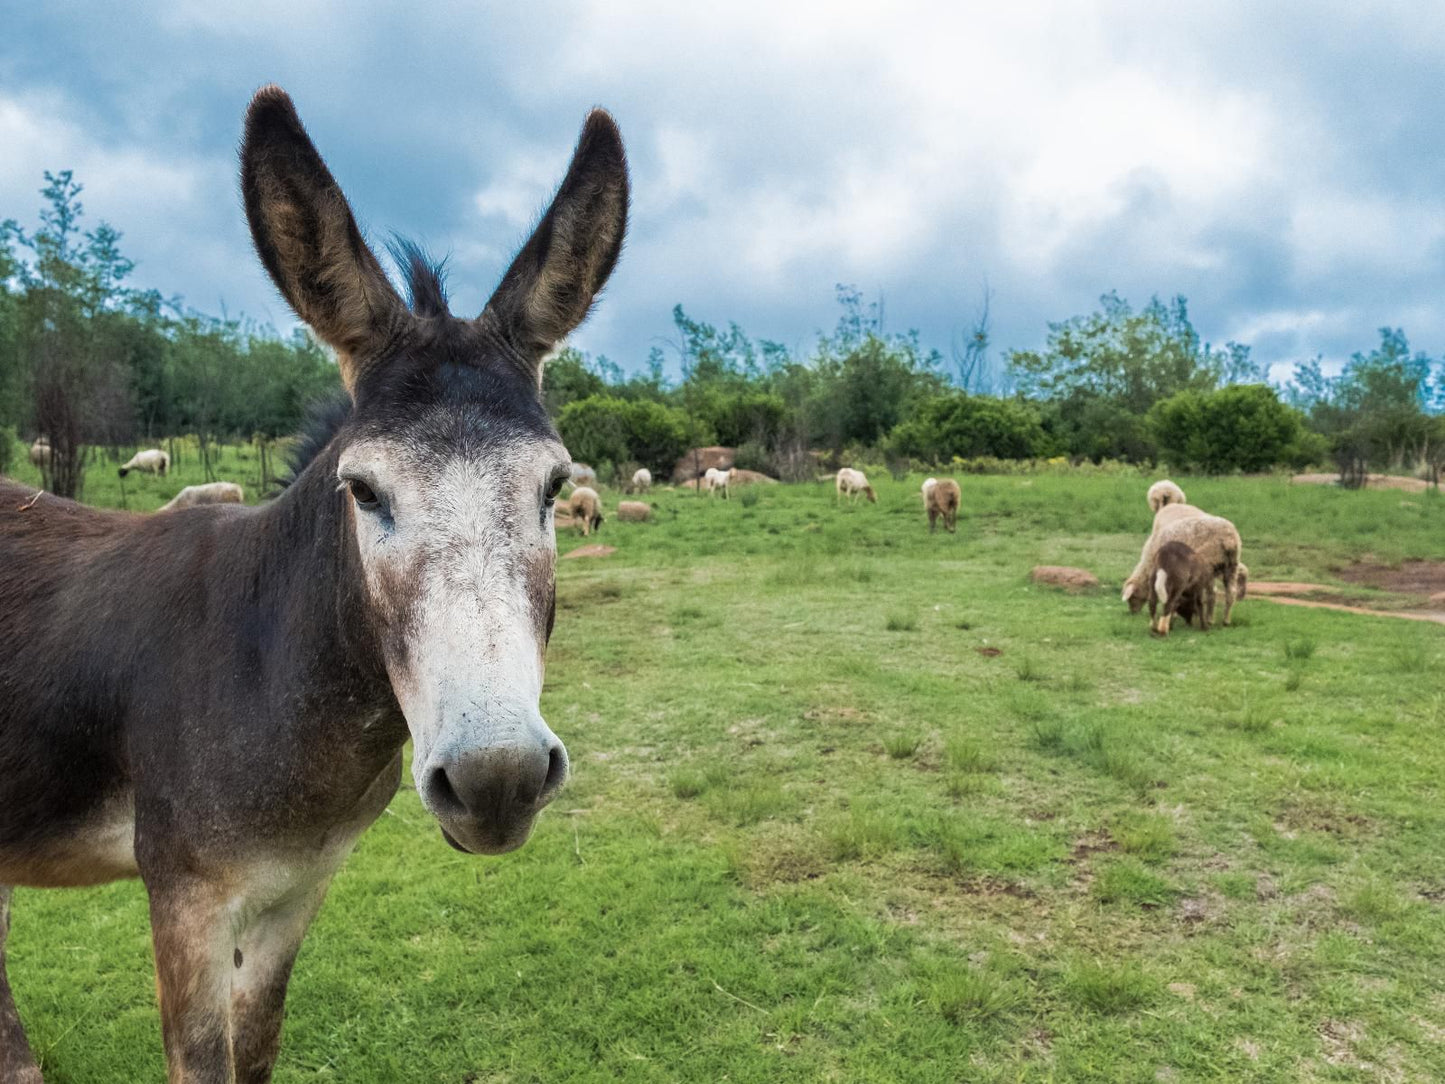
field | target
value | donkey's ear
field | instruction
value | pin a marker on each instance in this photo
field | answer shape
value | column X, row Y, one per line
column 307, row 238
column 564, row 264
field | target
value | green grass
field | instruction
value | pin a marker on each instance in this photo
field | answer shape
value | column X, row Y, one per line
column 1094, row 856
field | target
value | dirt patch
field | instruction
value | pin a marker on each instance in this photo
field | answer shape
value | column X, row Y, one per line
column 1070, row 579
column 1422, row 578
column 1372, row 481
column 840, row 714
column 1437, row 616
column 989, row 652
column 1270, row 588
column 1091, row 844
column 596, row 549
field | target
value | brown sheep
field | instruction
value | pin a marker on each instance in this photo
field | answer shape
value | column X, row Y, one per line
column 943, row 499
column 586, row 509
column 633, row 511
column 1180, row 580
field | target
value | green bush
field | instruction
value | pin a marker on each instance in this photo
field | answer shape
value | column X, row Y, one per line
column 8, row 447
column 1242, row 427
column 601, row 428
column 962, row 425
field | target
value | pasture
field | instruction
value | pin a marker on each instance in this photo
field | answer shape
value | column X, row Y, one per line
column 852, row 802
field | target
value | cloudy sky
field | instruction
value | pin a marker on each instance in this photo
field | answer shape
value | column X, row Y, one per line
column 1279, row 164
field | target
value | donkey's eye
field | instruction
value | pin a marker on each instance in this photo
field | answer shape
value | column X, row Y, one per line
column 363, row 494
column 554, row 487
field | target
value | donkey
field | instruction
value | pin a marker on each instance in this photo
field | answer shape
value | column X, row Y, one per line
column 215, row 700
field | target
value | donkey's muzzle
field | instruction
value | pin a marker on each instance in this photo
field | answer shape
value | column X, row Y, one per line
column 487, row 798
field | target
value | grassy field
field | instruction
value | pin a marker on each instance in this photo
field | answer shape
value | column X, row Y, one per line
column 140, row 492
column 855, row 803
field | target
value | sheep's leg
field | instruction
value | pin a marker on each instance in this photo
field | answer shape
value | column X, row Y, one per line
column 1206, row 611
column 932, row 518
column 17, row 1064
column 263, row 958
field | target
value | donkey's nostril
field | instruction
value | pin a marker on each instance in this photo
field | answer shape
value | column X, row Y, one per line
column 441, row 795
column 556, row 772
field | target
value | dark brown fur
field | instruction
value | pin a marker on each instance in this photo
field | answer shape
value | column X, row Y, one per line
column 1188, row 584
column 220, row 671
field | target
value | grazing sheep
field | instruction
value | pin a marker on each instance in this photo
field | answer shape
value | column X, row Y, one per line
column 633, row 512
column 1165, row 492
column 152, row 460
column 1180, row 581
column 942, row 499
column 850, row 483
column 641, row 480
column 716, row 479
column 1213, row 538
column 583, row 475
column 40, row 453
column 586, row 509
column 210, row 493
column 928, row 484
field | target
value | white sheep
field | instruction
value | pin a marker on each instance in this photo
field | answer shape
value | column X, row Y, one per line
column 1165, row 492
column 152, row 460
column 1213, row 538
column 928, row 484
column 850, row 483
column 585, row 507
column 582, row 475
column 209, row 493
column 715, row 480
column 641, row 480
column 40, row 453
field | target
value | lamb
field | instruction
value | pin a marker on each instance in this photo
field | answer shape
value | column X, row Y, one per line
column 1213, row 538
column 40, row 453
column 641, row 480
column 1180, row 580
column 1165, row 492
column 210, row 493
column 586, row 509
column 850, row 483
column 942, row 499
column 1241, row 587
column 152, row 460
column 716, row 479
column 633, row 511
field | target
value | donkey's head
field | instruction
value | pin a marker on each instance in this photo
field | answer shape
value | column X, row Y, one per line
column 448, row 466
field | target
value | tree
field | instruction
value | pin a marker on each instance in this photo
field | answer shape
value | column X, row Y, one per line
column 1242, row 427
column 1134, row 359
column 963, row 425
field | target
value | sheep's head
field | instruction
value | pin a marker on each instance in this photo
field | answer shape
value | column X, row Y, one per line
column 872, row 497
column 1134, row 595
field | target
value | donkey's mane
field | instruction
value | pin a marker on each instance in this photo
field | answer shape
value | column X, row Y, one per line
column 426, row 290
column 324, row 417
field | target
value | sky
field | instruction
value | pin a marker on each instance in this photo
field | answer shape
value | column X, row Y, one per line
column 1278, row 164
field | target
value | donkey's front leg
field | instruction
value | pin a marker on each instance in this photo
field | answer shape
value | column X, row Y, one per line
column 191, row 930
column 17, row 1064
column 262, row 961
